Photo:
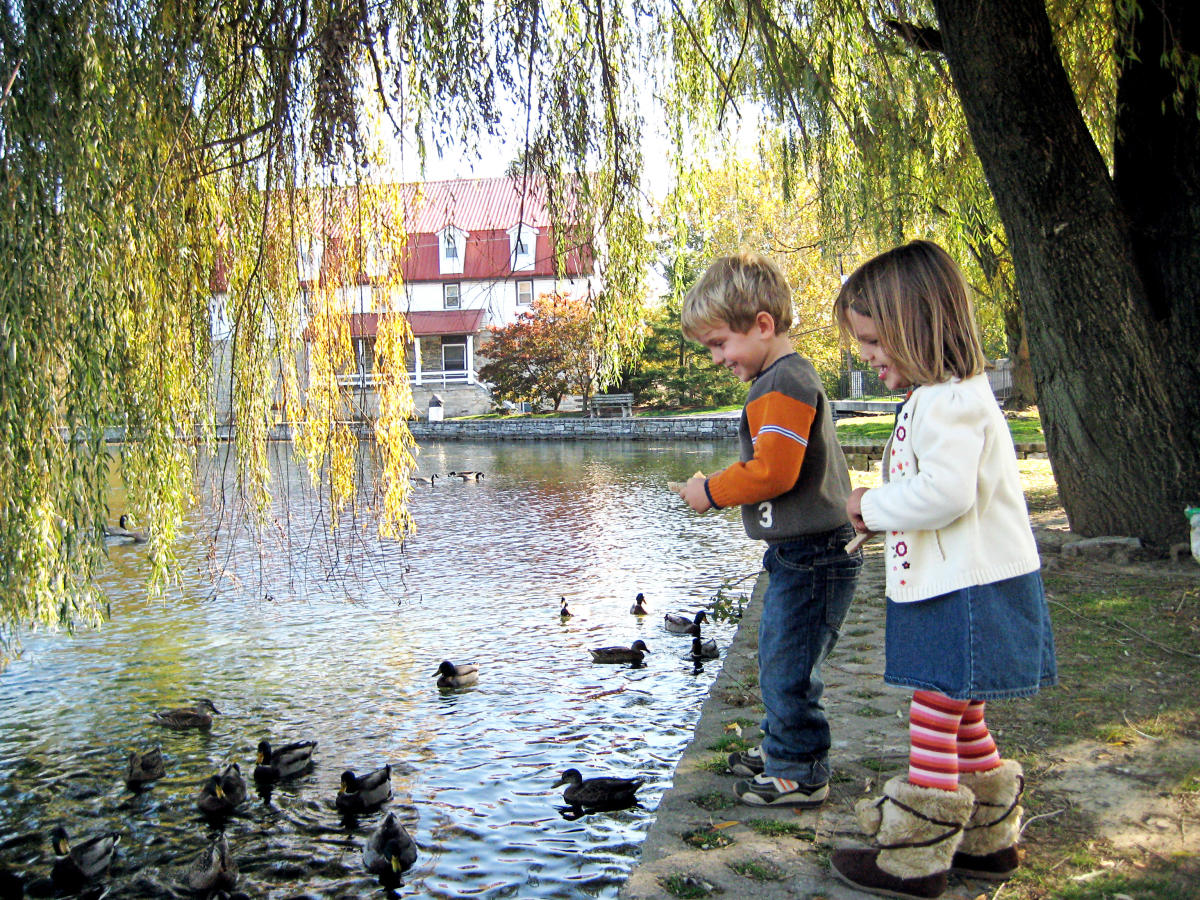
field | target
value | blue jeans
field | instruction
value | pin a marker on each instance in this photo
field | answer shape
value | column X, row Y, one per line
column 811, row 585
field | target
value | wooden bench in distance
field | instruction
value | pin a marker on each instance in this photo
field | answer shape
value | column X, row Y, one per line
column 602, row 404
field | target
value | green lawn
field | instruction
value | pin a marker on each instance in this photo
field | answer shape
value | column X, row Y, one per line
column 1024, row 427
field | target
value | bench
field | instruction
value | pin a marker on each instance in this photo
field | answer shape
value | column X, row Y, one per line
column 602, row 404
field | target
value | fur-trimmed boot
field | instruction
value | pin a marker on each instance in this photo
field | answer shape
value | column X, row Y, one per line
column 917, row 831
column 989, row 844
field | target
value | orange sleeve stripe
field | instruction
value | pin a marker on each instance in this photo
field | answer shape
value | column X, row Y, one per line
column 779, row 428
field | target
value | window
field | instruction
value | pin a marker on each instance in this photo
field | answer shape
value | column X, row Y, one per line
column 524, row 293
column 454, row 355
column 452, row 247
column 522, row 240
column 450, row 297
column 364, row 355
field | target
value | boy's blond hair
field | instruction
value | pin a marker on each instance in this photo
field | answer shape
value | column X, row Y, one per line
column 917, row 298
column 732, row 291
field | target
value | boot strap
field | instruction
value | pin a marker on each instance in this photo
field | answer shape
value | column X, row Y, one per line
column 953, row 827
column 1007, row 809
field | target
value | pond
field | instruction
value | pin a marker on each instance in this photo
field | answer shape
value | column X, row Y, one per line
column 296, row 634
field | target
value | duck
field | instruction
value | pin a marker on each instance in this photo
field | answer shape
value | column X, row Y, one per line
column 116, row 535
column 631, row 654
column 465, row 476
column 452, row 676
column 222, row 794
column 361, row 792
column 417, row 479
column 214, row 869
column 704, row 649
column 564, row 611
column 283, row 762
column 678, row 624
column 390, row 850
column 139, row 537
column 144, row 767
column 76, row 865
column 183, row 717
column 602, row 791
column 639, row 605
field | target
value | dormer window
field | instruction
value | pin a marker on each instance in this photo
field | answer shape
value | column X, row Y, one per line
column 522, row 240
column 452, row 245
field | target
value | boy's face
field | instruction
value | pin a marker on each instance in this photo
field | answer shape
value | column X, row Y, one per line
column 872, row 352
column 744, row 353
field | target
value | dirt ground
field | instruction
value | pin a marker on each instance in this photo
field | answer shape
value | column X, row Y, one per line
column 1112, row 755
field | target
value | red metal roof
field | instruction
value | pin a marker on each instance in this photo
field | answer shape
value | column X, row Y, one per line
column 423, row 324
column 474, row 204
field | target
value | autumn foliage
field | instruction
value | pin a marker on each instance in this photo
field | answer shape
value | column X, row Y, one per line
column 548, row 352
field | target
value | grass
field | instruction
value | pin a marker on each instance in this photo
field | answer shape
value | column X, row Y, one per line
column 685, row 886
column 1025, row 427
column 729, row 743
column 714, row 800
column 758, row 870
column 782, row 828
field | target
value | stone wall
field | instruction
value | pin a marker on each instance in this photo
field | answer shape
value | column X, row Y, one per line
column 697, row 428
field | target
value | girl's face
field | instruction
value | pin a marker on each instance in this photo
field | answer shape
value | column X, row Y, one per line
column 873, row 353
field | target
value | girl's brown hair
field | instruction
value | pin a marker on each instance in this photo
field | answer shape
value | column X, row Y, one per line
column 917, row 298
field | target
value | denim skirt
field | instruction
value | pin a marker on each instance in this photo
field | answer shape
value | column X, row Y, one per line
column 985, row 642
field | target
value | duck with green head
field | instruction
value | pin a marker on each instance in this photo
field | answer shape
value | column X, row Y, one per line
column 276, row 763
column 221, row 794
column 677, row 624
column 390, row 850
column 76, row 865
column 362, row 792
column 456, row 676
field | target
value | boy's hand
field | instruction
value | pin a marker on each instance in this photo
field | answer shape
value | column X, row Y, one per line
column 694, row 494
column 854, row 509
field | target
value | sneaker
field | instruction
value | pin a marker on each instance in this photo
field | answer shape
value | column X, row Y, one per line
column 746, row 762
column 764, row 790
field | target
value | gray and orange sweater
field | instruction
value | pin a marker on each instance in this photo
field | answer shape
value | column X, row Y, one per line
column 792, row 479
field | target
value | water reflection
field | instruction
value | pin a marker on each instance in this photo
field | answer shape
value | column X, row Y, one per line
column 299, row 636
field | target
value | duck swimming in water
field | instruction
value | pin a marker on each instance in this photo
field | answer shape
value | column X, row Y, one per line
column 564, row 611
column 76, row 865
column 221, row 794
column 362, row 792
column 456, row 676
column 677, row 624
column 417, row 479
column 632, row 654
column 639, row 605
column 144, row 767
column 183, row 717
column 600, row 791
column 214, row 870
column 390, row 850
column 704, row 649
column 283, row 762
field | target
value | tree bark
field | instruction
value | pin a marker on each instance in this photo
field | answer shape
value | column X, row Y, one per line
column 1108, row 285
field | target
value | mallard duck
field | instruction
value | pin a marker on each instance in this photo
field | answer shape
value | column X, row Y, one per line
column 632, row 654
column 360, row 793
column 452, row 676
column 417, row 479
column 139, row 537
column 145, row 767
column 222, row 794
column 214, row 869
column 465, row 476
column 677, row 624
column 390, row 850
column 564, row 611
column 602, row 791
column 639, row 606
column 184, row 717
column 75, row 865
column 704, row 649
column 284, row 762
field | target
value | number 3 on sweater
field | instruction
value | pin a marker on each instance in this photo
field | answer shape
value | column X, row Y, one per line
column 765, row 514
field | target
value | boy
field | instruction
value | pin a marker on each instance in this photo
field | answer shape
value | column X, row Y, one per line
column 792, row 485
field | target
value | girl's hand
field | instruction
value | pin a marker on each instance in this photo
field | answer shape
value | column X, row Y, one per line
column 693, row 492
column 854, row 509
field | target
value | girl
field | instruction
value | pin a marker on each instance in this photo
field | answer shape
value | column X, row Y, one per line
column 967, row 619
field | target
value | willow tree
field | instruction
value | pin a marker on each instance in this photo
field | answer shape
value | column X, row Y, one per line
column 1080, row 117
column 151, row 150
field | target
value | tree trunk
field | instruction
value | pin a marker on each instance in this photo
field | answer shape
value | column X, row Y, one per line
column 1114, row 355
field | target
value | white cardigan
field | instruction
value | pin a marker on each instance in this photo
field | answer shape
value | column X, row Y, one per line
column 951, row 503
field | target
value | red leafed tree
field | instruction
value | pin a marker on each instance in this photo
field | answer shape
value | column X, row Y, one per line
column 548, row 352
